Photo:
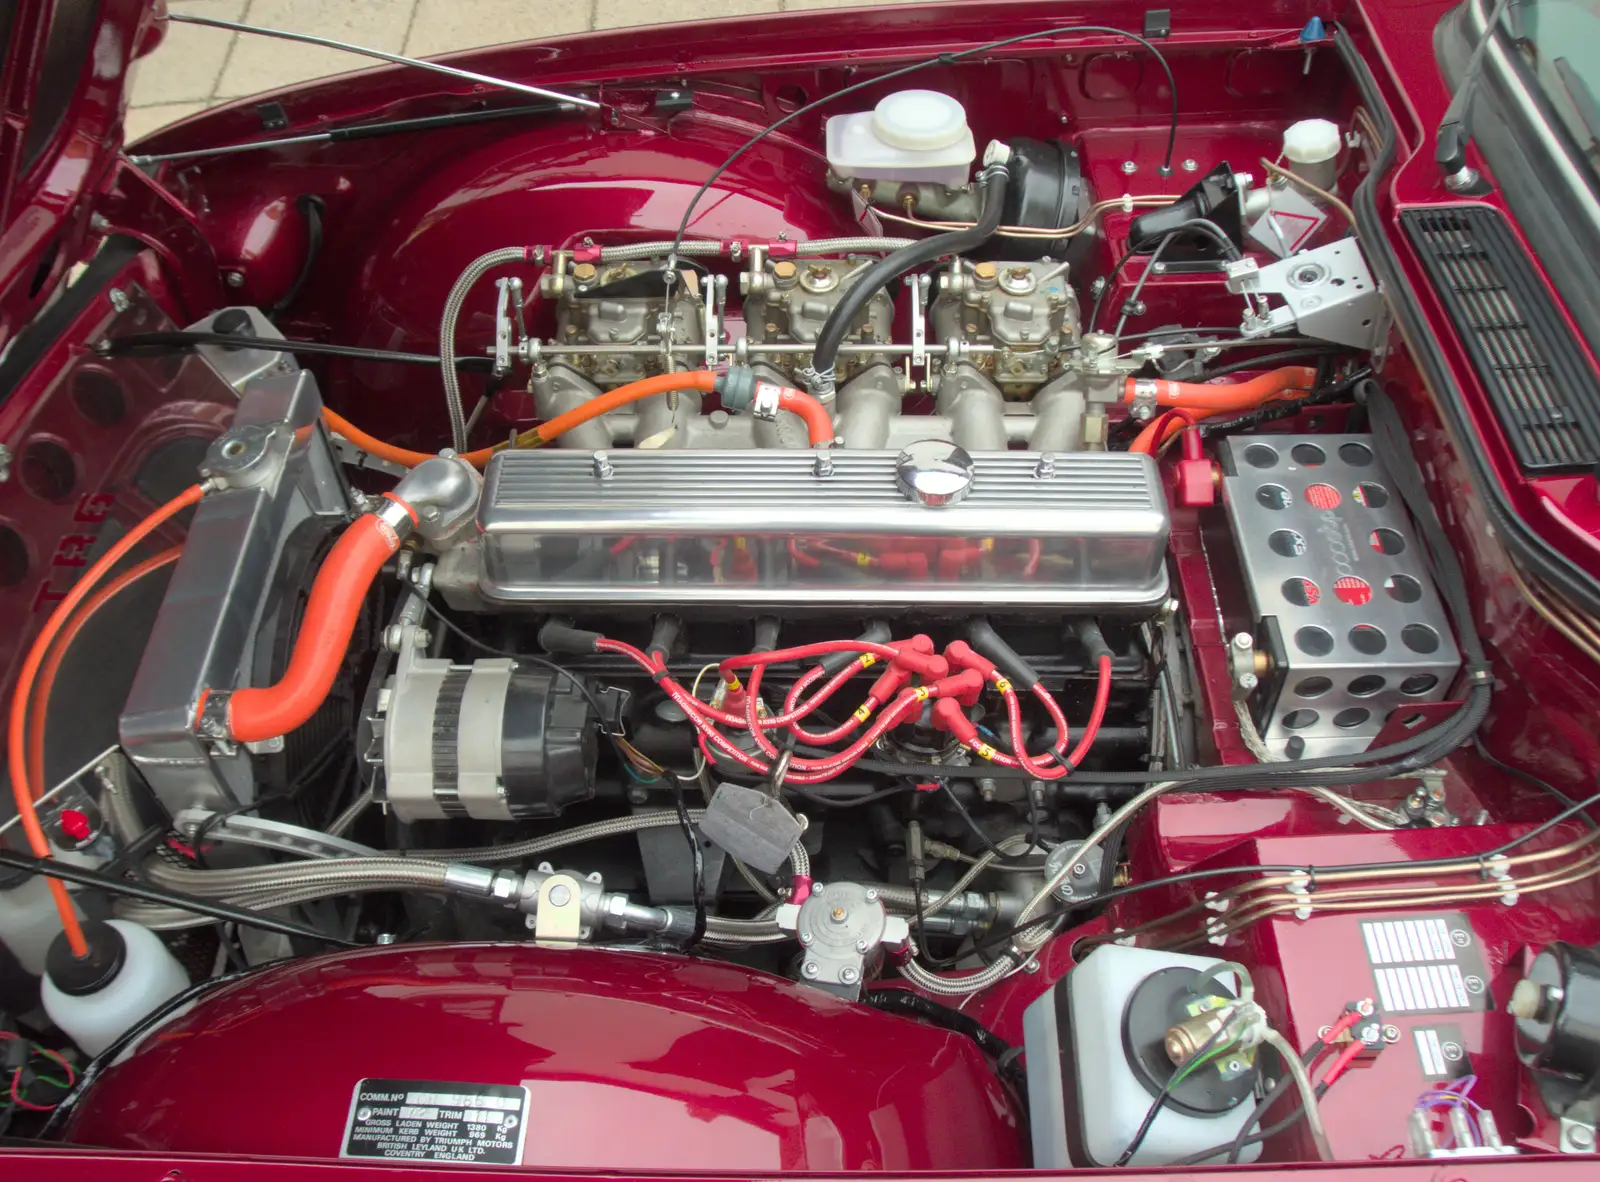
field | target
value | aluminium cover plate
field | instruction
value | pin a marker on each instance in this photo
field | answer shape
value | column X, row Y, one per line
column 762, row 528
column 1330, row 554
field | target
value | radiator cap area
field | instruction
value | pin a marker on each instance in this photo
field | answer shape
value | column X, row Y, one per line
column 934, row 473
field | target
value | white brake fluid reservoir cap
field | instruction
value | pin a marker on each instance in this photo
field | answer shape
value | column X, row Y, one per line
column 1311, row 141
column 919, row 120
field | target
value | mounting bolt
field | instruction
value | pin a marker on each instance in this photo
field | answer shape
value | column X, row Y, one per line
column 1248, row 681
column 1243, row 641
column 1031, row 965
column 805, row 938
column 233, row 279
column 1159, row 268
column 1580, row 1136
column 1142, row 413
column 1191, row 165
column 561, row 894
column 119, row 299
column 1129, row 168
column 99, row 223
column 861, row 945
column 1391, row 1033
column 849, row 975
column 602, row 466
column 1079, row 870
column 810, row 968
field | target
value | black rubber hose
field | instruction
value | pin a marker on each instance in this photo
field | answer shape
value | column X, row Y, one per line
column 847, row 312
column 898, row 1001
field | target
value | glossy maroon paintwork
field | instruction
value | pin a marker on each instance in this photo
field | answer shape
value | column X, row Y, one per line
column 45, row 204
column 634, row 1061
column 87, row 440
column 405, row 214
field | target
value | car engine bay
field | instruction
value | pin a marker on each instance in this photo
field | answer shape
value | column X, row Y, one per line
column 1037, row 615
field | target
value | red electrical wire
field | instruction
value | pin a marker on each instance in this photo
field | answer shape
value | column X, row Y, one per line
column 714, row 744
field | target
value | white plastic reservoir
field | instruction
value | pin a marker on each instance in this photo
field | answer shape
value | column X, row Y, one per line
column 911, row 135
column 144, row 976
column 1086, row 1100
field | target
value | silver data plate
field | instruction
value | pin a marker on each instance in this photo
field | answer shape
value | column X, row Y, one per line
column 1330, row 554
column 562, row 527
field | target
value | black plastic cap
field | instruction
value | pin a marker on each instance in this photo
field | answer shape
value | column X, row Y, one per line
column 77, row 976
column 982, row 636
column 1093, row 641
column 878, row 632
column 559, row 637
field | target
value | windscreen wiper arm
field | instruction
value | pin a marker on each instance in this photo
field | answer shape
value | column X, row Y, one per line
column 1455, row 130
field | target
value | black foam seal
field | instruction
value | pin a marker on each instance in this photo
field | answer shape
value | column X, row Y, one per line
column 79, row 976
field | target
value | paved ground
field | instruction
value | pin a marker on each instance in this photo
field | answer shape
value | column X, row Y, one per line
column 196, row 67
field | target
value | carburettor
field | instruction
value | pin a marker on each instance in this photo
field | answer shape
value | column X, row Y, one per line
column 628, row 304
column 788, row 302
column 1028, row 312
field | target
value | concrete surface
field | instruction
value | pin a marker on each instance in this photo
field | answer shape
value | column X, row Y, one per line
column 198, row 67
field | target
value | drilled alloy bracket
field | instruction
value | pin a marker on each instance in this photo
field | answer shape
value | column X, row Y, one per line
column 1329, row 294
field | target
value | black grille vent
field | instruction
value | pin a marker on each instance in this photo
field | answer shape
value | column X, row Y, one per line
column 1544, row 391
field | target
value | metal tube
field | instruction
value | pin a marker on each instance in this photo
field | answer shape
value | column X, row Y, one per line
column 395, row 58
column 754, row 349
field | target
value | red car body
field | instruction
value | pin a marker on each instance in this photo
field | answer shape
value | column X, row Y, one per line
column 725, row 1088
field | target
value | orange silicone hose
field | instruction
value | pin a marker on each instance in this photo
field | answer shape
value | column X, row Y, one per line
column 324, row 637
column 16, row 732
column 1234, row 396
column 52, row 665
column 695, row 379
column 819, row 427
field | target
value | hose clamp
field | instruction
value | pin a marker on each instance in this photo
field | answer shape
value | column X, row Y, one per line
column 1143, row 403
column 396, row 515
column 764, row 405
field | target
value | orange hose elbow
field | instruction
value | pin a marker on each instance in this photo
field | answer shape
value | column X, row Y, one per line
column 819, row 424
column 324, row 637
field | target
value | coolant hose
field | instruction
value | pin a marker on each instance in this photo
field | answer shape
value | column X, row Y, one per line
column 703, row 380
column 819, row 427
column 23, row 699
column 251, row 715
column 847, row 312
column 1234, row 396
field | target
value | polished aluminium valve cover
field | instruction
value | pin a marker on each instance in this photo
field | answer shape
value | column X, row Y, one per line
column 1077, row 530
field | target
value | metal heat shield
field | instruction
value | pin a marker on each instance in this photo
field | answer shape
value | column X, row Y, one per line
column 1331, row 556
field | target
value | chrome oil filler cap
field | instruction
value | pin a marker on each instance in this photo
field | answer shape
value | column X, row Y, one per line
column 934, row 473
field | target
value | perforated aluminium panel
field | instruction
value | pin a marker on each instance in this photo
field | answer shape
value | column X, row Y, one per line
column 1329, row 553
